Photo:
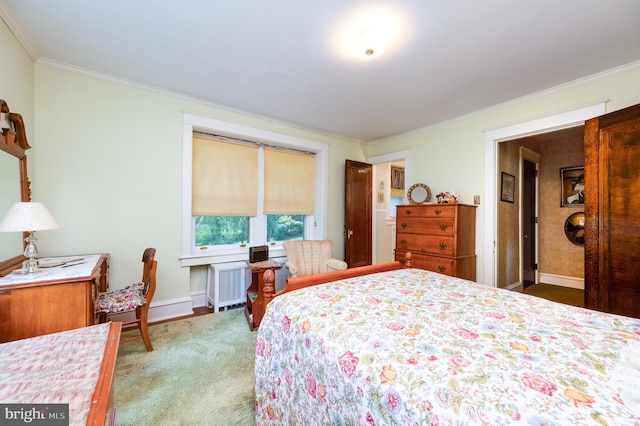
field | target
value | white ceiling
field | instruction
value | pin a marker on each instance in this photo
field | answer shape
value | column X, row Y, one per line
column 286, row 60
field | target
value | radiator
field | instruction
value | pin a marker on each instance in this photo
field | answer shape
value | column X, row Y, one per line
column 227, row 283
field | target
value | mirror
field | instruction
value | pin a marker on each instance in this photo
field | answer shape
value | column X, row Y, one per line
column 14, row 183
column 9, row 194
column 574, row 228
column 419, row 194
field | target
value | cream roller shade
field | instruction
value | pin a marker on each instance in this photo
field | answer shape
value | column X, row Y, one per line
column 288, row 182
column 225, row 178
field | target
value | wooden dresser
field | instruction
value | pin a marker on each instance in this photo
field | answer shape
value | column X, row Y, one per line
column 59, row 298
column 441, row 238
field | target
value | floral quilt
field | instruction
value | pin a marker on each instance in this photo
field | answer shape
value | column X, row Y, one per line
column 61, row 368
column 413, row 347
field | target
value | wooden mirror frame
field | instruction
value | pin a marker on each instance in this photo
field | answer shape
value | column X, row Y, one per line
column 14, row 142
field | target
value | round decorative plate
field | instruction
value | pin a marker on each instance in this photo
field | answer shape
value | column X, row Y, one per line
column 419, row 194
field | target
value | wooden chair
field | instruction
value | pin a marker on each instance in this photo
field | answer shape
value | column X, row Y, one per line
column 308, row 257
column 135, row 297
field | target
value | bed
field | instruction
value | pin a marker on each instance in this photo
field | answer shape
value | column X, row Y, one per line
column 72, row 367
column 405, row 346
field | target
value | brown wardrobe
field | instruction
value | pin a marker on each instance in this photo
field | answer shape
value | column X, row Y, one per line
column 612, row 212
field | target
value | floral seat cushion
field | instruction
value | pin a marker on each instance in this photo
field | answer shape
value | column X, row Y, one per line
column 125, row 299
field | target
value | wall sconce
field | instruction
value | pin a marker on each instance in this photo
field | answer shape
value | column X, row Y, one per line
column 28, row 217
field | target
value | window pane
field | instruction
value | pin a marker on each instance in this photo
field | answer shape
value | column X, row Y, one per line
column 221, row 230
column 393, row 203
column 282, row 227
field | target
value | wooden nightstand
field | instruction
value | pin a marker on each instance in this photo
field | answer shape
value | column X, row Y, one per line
column 256, row 304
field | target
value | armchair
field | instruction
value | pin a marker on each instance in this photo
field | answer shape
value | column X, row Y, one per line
column 308, row 257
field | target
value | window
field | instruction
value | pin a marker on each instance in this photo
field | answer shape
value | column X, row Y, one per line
column 244, row 187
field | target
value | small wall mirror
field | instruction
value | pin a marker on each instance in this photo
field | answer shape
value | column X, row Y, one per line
column 419, row 194
column 574, row 228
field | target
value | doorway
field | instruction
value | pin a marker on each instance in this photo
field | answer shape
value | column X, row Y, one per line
column 493, row 138
column 386, row 195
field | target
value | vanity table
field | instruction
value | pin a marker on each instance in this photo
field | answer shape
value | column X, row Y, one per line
column 62, row 296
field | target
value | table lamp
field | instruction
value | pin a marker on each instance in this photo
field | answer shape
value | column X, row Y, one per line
column 28, row 217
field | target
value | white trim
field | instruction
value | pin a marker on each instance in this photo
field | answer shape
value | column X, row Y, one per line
column 315, row 230
column 18, row 31
column 515, row 287
column 575, row 83
column 200, row 298
column 165, row 310
column 557, row 121
column 562, row 281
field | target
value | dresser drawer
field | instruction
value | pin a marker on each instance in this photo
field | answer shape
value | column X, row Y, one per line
column 427, row 226
column 415, row 243
column 426, row 210
column 464, row 267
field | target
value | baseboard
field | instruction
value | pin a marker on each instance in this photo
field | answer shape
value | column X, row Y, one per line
column 165, row 310
column 562, row 281
column 199, row 298
column 517, row 286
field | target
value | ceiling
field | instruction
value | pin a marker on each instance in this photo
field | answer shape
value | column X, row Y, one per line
column 286, row 59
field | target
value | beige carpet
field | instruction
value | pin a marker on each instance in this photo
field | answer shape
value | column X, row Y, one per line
column 200, row 373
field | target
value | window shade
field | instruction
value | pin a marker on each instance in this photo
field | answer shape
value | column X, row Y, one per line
column 288, row 182
column 225, row 178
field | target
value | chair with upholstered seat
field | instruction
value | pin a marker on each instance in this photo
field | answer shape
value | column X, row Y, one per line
column 308, row 257
column 134, row 297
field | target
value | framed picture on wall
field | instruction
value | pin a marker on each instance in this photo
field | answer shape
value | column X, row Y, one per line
column 397, row 177
column 572, row 187
column 508, row 187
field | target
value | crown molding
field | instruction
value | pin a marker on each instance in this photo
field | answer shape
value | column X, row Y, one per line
column 575, row 83
column 18, row 32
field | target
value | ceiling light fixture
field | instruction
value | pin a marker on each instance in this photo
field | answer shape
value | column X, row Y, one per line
column 368, row 43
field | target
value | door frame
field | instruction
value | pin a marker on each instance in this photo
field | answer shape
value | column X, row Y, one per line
column 492, row 138
column 532, row 157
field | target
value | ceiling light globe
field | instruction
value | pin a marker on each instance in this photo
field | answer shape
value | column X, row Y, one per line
column 369, row 44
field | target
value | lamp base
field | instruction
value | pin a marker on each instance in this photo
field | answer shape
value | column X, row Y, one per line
column 30, row 266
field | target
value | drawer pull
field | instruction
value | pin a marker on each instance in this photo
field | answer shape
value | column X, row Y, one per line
column 437, row 211
column 443, row 246
column 442, row 269
column 403, row 225
column 408, row 212
column 403, row 241
column 443, row 227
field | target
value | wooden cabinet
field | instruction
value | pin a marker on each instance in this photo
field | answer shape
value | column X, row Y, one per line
column 612, row 206
column 57, row 299
column 441, row 238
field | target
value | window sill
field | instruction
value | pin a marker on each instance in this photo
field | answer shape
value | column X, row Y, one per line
column 208, row 257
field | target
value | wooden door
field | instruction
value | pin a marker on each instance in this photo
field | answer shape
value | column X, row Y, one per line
column 529, row 233
column 357, row 218
column 612, row 212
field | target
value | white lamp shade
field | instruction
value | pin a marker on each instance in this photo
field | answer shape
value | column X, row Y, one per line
column 28, row 217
